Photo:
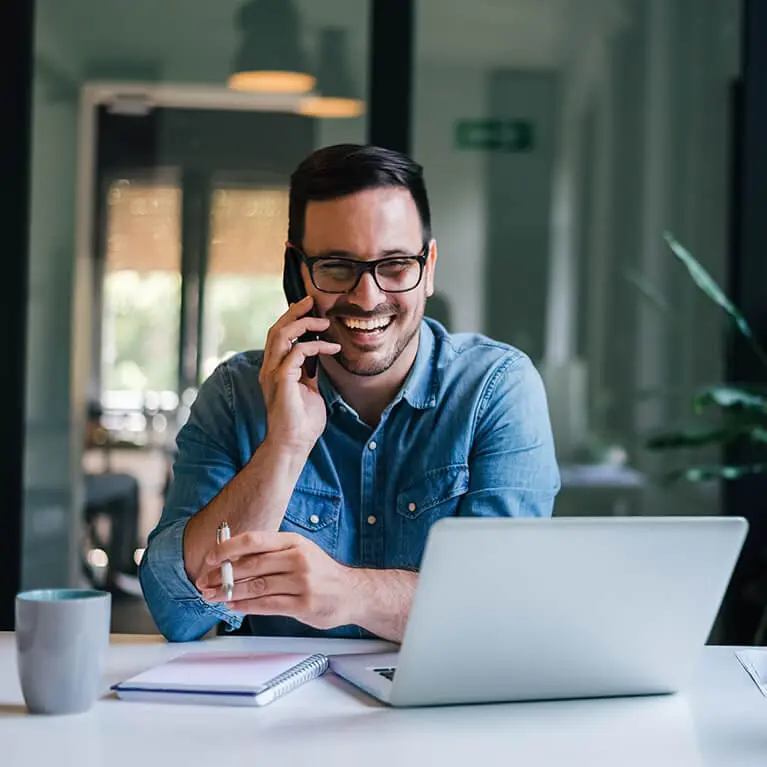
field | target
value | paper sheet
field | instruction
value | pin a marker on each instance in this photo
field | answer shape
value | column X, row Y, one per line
column 755, row 662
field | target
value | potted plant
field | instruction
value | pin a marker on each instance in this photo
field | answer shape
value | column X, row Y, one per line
column 739, row 417
column 741, row 410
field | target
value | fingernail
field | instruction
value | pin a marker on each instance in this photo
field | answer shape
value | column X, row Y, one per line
column 211, row 559
column 208, row 594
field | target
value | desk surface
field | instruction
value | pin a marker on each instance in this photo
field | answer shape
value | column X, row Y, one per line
column 720, row 720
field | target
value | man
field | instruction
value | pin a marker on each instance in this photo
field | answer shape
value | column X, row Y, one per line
column 331, row 483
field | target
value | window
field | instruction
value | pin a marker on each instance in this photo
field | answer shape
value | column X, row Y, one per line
column 142, row 293
column 243, row 282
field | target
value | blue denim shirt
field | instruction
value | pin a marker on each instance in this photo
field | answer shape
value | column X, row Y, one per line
column 468, row 434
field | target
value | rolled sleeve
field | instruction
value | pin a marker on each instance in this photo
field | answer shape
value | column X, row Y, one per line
column 176, row 605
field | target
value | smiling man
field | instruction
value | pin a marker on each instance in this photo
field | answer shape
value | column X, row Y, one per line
column 330, row 483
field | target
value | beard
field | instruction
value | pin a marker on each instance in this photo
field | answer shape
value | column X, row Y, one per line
column 372, row 363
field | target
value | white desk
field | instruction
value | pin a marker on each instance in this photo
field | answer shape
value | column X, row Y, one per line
column 720, row 720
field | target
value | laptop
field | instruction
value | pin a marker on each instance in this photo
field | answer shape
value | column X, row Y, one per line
column 550, row 609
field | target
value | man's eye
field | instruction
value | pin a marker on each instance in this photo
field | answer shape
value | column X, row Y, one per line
column 397, row 266
column 337, row 270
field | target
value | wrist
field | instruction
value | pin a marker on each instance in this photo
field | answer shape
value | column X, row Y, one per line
column 284, row 456
column 357, row 595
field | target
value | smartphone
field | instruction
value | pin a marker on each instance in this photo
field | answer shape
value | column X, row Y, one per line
column 293, row 285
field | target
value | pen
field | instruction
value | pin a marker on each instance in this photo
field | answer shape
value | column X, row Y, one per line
column 227, row 578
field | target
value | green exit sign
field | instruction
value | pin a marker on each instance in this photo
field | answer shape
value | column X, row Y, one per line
column 494, row 135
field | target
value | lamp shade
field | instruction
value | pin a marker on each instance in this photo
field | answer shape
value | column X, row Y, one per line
column 336, row 95
column 271, row 58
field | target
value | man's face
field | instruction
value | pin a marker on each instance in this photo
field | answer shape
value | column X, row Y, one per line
column 373, row 327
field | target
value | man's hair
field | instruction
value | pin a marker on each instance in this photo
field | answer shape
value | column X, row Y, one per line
column 344, row 169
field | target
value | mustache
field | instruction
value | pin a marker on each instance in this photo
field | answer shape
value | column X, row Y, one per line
column 350, row 310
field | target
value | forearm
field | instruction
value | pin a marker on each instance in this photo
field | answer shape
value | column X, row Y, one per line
column 255, row 499
column 381, row 599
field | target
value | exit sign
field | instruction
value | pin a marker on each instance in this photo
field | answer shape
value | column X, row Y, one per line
column 494, row 135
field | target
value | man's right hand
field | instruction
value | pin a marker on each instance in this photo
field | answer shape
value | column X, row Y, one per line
column 295, row 410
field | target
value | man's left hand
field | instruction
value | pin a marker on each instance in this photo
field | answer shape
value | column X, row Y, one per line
column 277, row 573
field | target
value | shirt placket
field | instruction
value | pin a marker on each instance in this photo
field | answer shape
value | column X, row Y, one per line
column 371, row 525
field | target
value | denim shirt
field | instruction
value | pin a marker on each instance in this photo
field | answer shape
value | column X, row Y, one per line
column 468, row 434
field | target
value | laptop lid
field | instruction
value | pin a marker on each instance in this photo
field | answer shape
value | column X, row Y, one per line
column 532, row 609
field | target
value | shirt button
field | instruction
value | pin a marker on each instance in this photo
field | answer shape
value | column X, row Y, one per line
column 373, row 445
column 314, row 519
column 371, row 520
column 342, row 409
column 411, row 506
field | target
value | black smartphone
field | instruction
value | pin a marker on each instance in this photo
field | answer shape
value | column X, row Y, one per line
column 293, row 285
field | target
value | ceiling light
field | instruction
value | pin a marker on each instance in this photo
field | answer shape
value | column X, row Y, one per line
column 271, row 58
column 336, row 94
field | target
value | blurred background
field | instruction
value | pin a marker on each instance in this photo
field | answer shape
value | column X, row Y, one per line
column 560, row 140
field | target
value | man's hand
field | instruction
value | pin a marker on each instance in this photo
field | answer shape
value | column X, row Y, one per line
column 295, row 410
column 296, row 416
column 278, row 573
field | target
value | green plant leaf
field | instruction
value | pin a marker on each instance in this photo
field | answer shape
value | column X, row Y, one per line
column 731, row 397
column 710, row 287
column 708, row 473
column 687, row 439
column 718, row 436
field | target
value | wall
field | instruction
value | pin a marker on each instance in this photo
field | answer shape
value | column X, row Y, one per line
column 490, row 209
column 519, row 186
column 456, row 183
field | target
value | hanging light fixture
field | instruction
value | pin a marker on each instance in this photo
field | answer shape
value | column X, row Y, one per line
column 271, row 58
column 336, row 94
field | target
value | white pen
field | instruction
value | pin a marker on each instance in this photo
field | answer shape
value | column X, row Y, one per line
column 227, row 577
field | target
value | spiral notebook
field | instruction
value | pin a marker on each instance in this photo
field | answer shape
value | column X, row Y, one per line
column 223, row 678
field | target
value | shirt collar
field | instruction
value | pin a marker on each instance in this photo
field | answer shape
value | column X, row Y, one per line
column 328, row 391
column 420, row 387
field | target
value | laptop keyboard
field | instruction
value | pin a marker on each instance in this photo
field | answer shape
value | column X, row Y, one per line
column 387, row 673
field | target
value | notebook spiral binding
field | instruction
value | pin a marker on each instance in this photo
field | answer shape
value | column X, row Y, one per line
column 311, row 668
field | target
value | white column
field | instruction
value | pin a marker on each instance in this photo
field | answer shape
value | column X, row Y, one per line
column 652, row 328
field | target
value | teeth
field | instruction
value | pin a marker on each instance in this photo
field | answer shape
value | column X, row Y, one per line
column 381, row 322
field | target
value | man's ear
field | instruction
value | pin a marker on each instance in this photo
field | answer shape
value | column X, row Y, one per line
column 429, row 268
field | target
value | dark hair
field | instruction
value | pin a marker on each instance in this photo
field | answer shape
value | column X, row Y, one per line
column 337, row 171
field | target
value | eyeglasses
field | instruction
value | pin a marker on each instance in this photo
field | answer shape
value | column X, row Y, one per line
column 396, row 274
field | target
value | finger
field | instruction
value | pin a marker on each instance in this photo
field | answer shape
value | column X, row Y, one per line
column 246, row 567
column 291, row 365
column 295, row 312
column 282, row 341
column 252, row 542
column 299, row 309
column 254, row 588
column 274, row 604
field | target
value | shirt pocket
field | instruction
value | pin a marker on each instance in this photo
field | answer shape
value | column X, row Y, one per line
column 314, row 514
column 421, row 503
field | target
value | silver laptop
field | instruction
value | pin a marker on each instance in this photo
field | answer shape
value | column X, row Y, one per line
column 543, row 609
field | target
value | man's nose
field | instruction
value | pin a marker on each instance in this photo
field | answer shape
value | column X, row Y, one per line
column 367, row 295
